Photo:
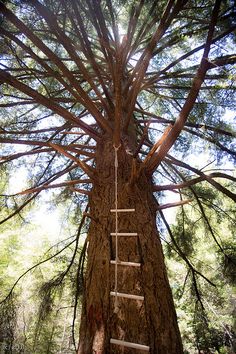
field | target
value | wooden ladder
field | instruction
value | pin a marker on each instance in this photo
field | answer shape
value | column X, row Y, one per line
column 115, row 293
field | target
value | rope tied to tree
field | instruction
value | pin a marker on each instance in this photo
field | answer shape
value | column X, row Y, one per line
column 116, row 308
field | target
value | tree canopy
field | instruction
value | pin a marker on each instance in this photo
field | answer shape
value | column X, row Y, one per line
column 158, row 76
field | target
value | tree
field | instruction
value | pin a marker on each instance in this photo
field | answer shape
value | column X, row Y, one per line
column 207, row 325
column 84, row 81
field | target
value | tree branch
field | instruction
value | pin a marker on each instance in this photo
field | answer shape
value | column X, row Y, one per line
column 171, row 205
column 189, row 103
column 217, row 185
column 192, row 182
column 142, row 64
column 56, row 185
column 86, row 168
column 84, row 98
column 5, row 77
column 161, row 120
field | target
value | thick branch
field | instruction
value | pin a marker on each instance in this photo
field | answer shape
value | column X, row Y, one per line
column 189, row 103
column 152, row 152
column 171, row 205
column 192, row 182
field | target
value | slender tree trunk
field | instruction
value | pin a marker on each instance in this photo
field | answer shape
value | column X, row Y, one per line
column 151, row 322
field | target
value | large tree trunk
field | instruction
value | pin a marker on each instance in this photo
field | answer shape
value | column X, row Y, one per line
column 153, row 321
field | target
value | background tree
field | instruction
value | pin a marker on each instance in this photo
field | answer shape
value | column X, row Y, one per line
column 151, row 80
column 206, row 322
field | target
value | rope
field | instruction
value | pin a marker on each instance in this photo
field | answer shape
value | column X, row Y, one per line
column 116, row 308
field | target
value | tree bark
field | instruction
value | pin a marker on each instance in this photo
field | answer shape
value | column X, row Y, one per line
column 151, row 322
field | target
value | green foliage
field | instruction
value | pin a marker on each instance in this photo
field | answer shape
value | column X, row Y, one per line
column 205, row 304
column 228, row 261
column 8, row 322
column 201, row 252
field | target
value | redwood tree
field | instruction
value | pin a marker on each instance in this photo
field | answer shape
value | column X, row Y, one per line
column 150, row 80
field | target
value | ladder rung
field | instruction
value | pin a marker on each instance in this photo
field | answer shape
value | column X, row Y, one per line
column 128, row 296
column 124, row 234
column 122, row 210
column 128, row 264
column 129, row 344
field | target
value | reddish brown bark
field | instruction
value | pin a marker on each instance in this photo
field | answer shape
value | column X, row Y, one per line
column 153, row 321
